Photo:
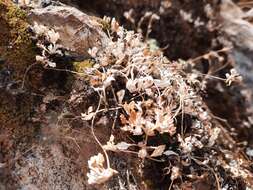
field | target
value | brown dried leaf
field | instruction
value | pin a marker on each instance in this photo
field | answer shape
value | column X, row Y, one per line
column 123, row 146
column 158, row 151
column 123, row 119
column 143, row 153
column 87, row 117
column 133, row 116
column 120, row 95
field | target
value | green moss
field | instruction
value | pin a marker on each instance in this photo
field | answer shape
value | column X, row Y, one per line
column 14, row 13
column 80, row 66
column 16, row 46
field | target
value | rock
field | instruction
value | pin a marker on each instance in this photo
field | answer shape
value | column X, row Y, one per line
column 78, row 31
column 169, row 28
column 236, row 26
column 239, row 32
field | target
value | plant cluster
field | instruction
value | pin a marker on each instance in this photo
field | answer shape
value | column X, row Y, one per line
column 149, row 97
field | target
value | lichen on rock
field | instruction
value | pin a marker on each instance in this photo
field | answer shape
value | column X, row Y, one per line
column 16, row 46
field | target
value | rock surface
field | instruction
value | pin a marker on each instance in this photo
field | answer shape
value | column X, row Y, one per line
column 78, row 31
column 175, row 17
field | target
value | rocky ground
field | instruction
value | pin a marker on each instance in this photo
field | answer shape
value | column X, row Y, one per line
column 155, row 95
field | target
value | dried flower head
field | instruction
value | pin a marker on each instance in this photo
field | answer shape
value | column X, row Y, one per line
column 98, row 174
column 233, row 76
column 39, row 29
column 93, row 51
column 52, row 36
column 175, row 173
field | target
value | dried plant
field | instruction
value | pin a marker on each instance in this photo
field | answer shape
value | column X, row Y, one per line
column 98, row 174
column 149, row 96
column 53, row 48
column 158, row 93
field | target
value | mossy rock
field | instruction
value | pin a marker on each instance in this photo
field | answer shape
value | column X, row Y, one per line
column 17, row 52
column 16, row 46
